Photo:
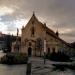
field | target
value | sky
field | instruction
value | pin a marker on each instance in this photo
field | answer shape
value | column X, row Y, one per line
column 57, row 14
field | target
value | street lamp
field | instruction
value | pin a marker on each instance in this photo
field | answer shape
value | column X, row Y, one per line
column 44, row 51
column 45, row 45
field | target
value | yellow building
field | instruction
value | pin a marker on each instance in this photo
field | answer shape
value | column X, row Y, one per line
column 33, row 36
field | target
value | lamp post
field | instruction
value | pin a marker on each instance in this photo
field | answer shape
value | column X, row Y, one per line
column 45, row 45
column 44, row 51
column 17, row 41
column 28, row 70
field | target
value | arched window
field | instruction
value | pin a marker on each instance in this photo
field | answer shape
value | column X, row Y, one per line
column 48, row 50
column 30, row 44
column 53, row 49
column 32, row 29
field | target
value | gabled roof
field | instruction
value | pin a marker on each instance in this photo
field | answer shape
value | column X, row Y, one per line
column 52, row 33
column 31, row 19
column 48, row 30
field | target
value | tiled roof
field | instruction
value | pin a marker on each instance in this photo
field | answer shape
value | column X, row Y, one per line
column 52, row 33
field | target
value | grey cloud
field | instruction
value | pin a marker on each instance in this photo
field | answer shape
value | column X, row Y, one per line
column 60, row 11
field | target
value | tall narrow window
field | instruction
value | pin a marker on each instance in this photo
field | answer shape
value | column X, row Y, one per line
column 32, row 29
column 53, row 49
column 30, row 44
column 48, row 50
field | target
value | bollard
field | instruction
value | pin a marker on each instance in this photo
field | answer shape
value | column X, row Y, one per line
column 44, row 50
column 28, row 70
column 44, row 58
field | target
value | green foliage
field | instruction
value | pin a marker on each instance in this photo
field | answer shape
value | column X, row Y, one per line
column 14, row 58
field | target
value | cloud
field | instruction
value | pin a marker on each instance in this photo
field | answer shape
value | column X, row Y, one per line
column 10, row 27
column 5, row 10
column 58, row 14
column 2, row 27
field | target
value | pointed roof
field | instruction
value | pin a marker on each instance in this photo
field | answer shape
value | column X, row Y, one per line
column 48, row 30
column 33, row 13
column 33, row 17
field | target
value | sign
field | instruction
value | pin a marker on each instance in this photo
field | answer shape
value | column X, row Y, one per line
column 44, row 45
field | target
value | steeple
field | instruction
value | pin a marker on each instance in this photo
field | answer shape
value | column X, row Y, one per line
column 57, row 33
column 34, row 17
column 33, row 13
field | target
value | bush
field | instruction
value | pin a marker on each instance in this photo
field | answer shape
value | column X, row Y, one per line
column 14, row 58
column 61, row 57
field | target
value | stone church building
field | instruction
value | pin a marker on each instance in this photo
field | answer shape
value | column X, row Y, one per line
column 33, row 36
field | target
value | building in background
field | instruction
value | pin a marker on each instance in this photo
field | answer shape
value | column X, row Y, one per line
column 2, row 42
column 6, row 42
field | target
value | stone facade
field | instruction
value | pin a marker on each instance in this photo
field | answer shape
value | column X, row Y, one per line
column 33, row 36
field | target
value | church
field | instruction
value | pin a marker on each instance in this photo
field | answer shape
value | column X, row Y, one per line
column 37, row 38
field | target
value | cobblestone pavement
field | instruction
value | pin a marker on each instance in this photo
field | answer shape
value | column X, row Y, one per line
column 39, row 68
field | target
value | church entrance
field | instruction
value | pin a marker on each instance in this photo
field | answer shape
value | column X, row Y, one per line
column 29, row 51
